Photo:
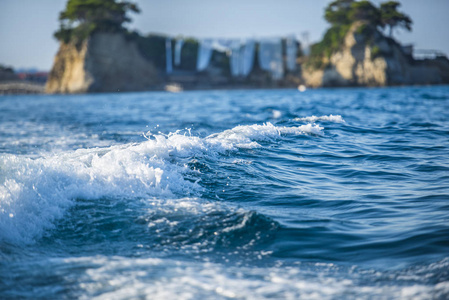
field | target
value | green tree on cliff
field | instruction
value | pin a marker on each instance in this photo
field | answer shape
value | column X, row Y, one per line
column 342, row 14
column 391, row 17
column 364, row 11
column 84, row 17
column 337, row 12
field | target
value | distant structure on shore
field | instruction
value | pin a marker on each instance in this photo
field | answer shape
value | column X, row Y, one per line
column 21, row 83
column 109, row 62
column 100, row 55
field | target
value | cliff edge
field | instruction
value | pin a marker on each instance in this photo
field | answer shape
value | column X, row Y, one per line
column 371, row 59
column 105, row 62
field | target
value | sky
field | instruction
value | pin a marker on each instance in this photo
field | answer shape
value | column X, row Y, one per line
column 27, row 26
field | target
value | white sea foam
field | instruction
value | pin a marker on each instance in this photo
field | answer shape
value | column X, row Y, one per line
column 36, row 192
column 276, row 114
column 125, row 278
column 330, row 118
column 247, row 136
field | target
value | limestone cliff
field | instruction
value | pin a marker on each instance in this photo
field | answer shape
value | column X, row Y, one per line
column 105, row 62
column 374, row 60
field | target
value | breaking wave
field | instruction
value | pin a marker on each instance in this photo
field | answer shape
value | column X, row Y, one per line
column 34, row 192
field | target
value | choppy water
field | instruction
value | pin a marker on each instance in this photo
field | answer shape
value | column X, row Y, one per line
column 326, row 194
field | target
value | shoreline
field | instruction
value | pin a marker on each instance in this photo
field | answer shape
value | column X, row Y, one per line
column 21, row 87
column 29, row 88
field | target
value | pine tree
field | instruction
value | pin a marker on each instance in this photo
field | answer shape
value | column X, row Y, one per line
column 81, row 18
column 391, row 17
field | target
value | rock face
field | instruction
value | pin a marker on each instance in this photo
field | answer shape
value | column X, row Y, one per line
column 106, row 62
column 375, row 61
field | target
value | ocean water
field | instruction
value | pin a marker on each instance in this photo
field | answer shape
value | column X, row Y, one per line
column 267, row 194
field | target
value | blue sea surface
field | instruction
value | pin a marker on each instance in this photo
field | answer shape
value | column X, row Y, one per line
column 245, row 194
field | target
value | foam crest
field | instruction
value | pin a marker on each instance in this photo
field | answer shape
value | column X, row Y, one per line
column 247, row 136
column 330, row 118
column 36, row 192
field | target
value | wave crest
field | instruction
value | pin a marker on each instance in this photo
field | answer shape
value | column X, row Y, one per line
column 330, row 118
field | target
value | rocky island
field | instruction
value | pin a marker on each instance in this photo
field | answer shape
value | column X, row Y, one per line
column 355, row 52
column 95, row 55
